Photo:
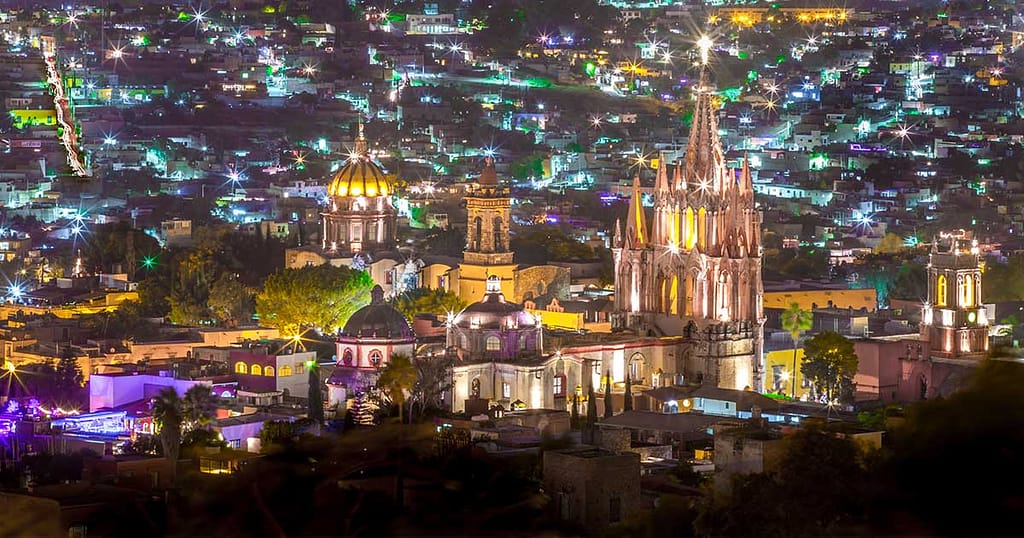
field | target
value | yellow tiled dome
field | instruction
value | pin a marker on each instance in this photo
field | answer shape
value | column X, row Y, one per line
column 360, row 177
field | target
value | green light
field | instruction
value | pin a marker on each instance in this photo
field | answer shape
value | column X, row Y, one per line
column 590, row 69
column 310, row 364
column 149, row 262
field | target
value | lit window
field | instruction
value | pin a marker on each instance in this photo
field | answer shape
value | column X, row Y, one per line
column 493, row 343
column 506, row 390
column 241, row 368
column 268, row 371
column 559, row 385
column 285, row 371
column 256, row 370
column 375, row 358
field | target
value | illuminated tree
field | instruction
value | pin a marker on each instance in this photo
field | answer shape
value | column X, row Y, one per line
column 830, row 364
column 320, row 298
column 395, row 379
column 230, row 302
column 795, row 320
column 199, row 408
column 426, row 301
column 168, row 414
column 889, row 244
column 433, row 378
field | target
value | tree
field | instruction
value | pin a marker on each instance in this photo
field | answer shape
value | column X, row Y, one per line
column 168, row 414
column 608, row 395
column 320, row 298
column 830, row 364
column 627, row 402
column 395, row 379
column 68, row 376
column 794, row 321
column 889, row 244
column 433, row 378
column 315, row 394
column 574, row 414
column 230, row 302
column 591, row 406
column 199, row 408
column 427, row 301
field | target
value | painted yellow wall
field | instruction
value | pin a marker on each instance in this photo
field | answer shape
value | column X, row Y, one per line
column 865, row 298
column 25, row 117
column 572, row 321
column 473, row 281
column 784, row 358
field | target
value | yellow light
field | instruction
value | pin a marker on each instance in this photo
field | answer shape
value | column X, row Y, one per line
column 9, row 366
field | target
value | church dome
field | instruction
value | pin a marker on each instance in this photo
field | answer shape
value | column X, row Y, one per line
column 378, row 320
column 493, row 311
column 360, row 176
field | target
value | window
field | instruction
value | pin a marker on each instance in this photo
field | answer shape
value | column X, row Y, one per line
column 346, row 357
column 493, row 343
column 940, row 291
column 506, row 390
column 241, row 368
column 375, row 358
column 474, row 388
column 777, row 376
column 285, row 371
column 268, row 371
column 558, row 386
column 299, row 369
column 614, row 510
column 256, row 370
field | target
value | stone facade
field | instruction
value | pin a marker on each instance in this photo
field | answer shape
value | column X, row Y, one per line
column 593, row 487
column 697, row 272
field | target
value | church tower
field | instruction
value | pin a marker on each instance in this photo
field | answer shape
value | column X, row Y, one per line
column 487, row 237
column 953, row 320
column 697, row 273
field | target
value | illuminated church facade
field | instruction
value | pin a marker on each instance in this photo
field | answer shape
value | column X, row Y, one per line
column 694, row 269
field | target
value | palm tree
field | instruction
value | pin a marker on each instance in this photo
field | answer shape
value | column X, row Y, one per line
column 168, row 413
column 396, row 378
column 199, row 407
column 795, row 320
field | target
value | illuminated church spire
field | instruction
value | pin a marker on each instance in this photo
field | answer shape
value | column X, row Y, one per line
column 636, row 222
column 705, row 162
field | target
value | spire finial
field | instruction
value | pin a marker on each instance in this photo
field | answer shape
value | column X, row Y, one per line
column 704, row 44
column 362, row 148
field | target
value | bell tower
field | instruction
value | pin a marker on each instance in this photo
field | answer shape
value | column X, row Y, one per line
column 487, row 237
column 953, row 319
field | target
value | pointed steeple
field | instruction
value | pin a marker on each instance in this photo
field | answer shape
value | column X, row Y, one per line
column 362, row 147
column 636, row 222
column 705, row 161
column 617, row 238
column 488, row 176
column 746, row 182
column 661, row 183
column 677, row 181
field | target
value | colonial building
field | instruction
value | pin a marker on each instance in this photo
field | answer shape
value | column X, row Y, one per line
column 954, row 332
column 360, row 215
column 501, row 358
column 695, row 270
column 953, row 320
column 372, row 335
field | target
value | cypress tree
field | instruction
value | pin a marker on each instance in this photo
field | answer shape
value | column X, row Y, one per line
column 608, row 394
column 591, row 406
column 627, row 402
column 575, row 418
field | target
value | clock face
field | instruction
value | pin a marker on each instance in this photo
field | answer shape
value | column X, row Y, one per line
column 972, row 316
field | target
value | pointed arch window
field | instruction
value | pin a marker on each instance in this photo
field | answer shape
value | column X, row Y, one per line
column 967, row 291
column 256, row 370
column 940, row 290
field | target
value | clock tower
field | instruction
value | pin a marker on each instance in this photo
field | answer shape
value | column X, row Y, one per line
column 953, row 320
